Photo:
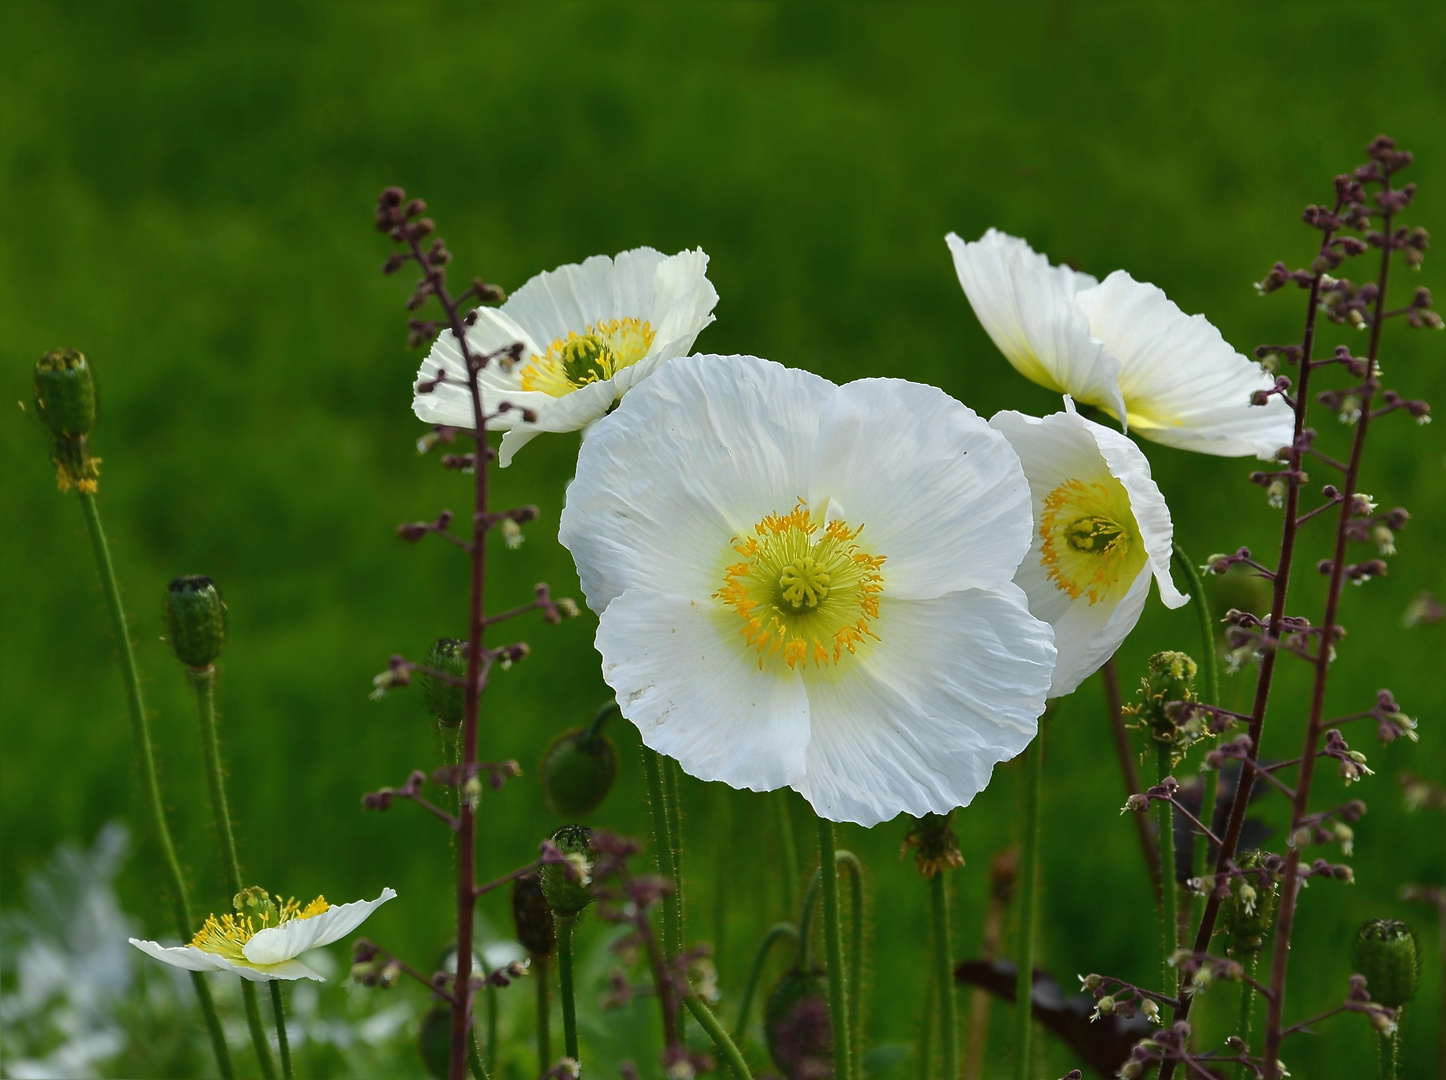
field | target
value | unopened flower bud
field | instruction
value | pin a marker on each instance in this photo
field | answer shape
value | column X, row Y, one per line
column 511, row 534
column 435, row 1041
column 796, row 1026
column 446, row 700
column 578, row 769
column 567, row 607
column 195, row 620
column 1247, row 914
column 1151, row 1010
column 532, row 916
column 65, row 393
column 1387, row 954
column 1275, row 494
column 568, row 887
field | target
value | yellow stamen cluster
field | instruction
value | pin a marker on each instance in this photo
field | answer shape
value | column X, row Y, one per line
column 1091, row 540
column 804, row 590
column 598, row 353
column 227, row 935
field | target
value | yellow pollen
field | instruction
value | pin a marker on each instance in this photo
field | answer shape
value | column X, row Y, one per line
column 804, row 591
column 1091, row 542
column 227, row 935
column 598, row 353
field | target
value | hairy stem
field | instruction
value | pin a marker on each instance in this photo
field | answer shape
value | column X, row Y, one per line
column 726, row 1047
column 140, row 729
column 1210, row 673
column 1247, row 1011
column 1028, row 886
column 788, row 846
column 776, row 932
column 663, row 850
column 1170, row 893
column 279, row 1013
column 1390, row 1047
column 564, row 925
column 833, row 948
column 1126, row 755
column 850, row 862
column 258, row 1032
column 544, row 1014
column 926, row 1031
column 944, row 975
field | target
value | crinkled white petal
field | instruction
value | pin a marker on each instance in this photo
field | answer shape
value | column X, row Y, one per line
column 926, row 478
column 917, row 723
column 683, row 677
column 276, row 944
column 697, row 454
column 1028, row 308
column 1182, row 383
column 190, row 958
column 1054, row 450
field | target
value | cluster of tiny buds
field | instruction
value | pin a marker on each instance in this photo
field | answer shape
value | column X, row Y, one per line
column 1259, row 877
column 1352, row 762
column 1115, row 997
column 1358, row 999
column 1166, row 1044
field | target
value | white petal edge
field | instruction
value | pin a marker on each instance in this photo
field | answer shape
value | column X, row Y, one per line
column 189, row 958
column 277, row 944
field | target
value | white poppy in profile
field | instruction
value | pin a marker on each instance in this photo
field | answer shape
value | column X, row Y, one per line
column 590, row 332
column 262, row 942
column 809, row 585
column 1122, row 346
column 1102, row 531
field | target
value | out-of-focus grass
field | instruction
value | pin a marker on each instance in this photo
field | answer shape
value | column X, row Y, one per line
column 185, row 194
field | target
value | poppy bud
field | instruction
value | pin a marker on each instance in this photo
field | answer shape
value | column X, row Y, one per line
column 65, row 393
column 532, row 916
column 1387, row 954
column 195, row 620
column 565, row 894
column 796, row 1026
column 435, row 1041
column 578, row 769
column 447, row 701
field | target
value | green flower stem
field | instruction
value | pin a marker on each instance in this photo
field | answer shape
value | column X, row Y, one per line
column 669, row 769
column 474, row 1057
column 1247, row 1011
column 725, row 1046
column 564, row 925
column 789, row 846
column 850, row 862
column 544, row 1014
column 1210, row 673
column 1028, row 886
column 1169, row 888
column 204, row 681
column 833, row 948
column 280, row 1014
column 776, row 932
column 944, row 976
column 1390, row 1044
column 663, row 850
column 140, row 728
column 490, row 1062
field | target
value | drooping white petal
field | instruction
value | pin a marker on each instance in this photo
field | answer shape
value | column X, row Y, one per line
column 697, row 454
column 926, row 477
column 1182, row 383
column 1028, row 308
column 567, row 413
column 190, row 958
column 682, row 676
column 276, row 944
column 954, row 686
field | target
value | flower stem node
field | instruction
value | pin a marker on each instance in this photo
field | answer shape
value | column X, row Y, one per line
column 195, row 620
column 65, row 401
column 578, row 770
column 567, row 875
column 445, row 699
column 935, row 846
column 1387, row 953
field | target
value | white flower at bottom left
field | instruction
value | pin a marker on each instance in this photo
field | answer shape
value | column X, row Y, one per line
column 263, row 942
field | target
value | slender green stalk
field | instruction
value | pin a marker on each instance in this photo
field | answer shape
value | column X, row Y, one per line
column 726, row 1046
column 776, row 932
column 850, row 862
column 669, row 769
column 1247, row 1011
column 140, row 728
column 663, row 850
column 1028, row 886
column 805, row 922
column 564, row 924
column 280, row 1014
column 926, row 1033
column 789, row 846
column 1169, row 887
column 1390, row 1044
column 833, row 948
column 544, row 1014
column 489, row 1062
column 1210, row 670
column 204, row 681
column 944, row 976
column 474, row 1056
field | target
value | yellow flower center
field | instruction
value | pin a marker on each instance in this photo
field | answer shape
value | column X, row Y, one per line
column 805, row 591
column 227, row 935
column 1091, row 540
column 598, row 353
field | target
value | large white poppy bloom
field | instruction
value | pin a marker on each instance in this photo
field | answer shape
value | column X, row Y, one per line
column 267, row 948
column 1123, row 346
column 590, row 332
column 1102, row 530
column 809, row 585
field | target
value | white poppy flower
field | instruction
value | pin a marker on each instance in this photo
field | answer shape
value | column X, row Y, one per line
column 590, row 332
column 809, row 585
column 1123, row 346
column 1102, row 530
column 267, row 951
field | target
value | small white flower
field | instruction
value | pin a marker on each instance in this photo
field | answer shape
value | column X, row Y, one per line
column 590, row 332
column 1122, row 346
column 236, row 943
column 808, row 585
column 1102, row 531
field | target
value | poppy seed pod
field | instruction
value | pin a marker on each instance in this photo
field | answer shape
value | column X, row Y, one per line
column 578, row 769
column 1387, row 954
column 565, row 893
column 532, row 916
column 447, row 701
column 65, row 393
column 195, row 620
column 797, row 1028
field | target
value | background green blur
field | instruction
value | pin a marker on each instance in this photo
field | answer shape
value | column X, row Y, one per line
column 186, row 195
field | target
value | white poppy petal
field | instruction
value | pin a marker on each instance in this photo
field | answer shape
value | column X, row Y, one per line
column 1183, row 385
column 1028, row 308
column 277, row 944
column 186, row 957
column 955, row 685
column 683, row 679
column 698, row 453
column 925, row 476
column 571, row 412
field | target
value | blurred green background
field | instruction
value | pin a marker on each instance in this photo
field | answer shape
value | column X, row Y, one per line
column 185, row 195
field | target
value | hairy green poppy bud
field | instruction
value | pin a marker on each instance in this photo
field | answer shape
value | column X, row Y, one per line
column 1387, row 954
column 435, row 1041
column 565, row 893
column 447, row 701
column 195, row 619
column 796, row 1026
column 532, row 916
column 65, row 393
column 1248, row 913
column 578, row 769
